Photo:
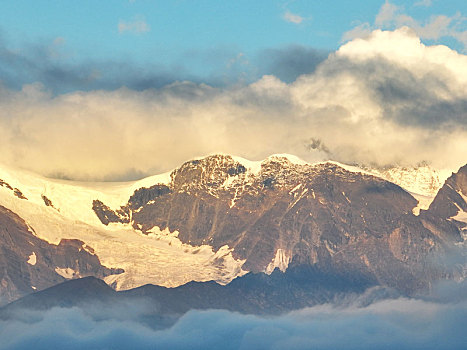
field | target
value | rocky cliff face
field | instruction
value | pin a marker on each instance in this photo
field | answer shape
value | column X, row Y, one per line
column 451, row 200
column 28, row 263
column 284, row 212
column 447, row 217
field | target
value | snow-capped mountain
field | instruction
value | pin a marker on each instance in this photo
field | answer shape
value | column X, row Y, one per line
column 217, row 217
column 54, row 210
column 422, row 180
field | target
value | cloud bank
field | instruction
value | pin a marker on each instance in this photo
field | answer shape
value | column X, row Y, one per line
column 385, row 99
column 389, row 324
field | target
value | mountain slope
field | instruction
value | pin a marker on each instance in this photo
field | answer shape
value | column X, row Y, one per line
column 290, row 212
column 28, row 263
column 253, row 293
column 158, row 258
column 215, row 218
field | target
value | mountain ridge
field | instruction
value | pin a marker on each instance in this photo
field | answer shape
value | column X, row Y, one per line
column 221, row 216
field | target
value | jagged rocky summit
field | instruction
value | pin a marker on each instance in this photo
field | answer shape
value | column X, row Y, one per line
column 287, row 212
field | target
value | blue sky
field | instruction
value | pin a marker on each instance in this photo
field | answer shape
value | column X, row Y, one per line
column 217, row 42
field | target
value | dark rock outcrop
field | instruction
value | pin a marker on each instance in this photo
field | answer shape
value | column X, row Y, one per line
column 450, row 200
column 28, row 263
column 251, row 294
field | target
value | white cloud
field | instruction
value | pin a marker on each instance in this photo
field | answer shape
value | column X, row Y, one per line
column 384, row 99
column 293, row 18
column 426, row 3
column 137, row 25
column 391, row 16
column 360, row 31
column 387, row 13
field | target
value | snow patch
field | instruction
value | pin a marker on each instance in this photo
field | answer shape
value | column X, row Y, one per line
column 229, row 181
column 345, row 196
column 291, row 158
column 329, row 248
column 32, row 259
column 88, row 249
column 297, row 198
column 461, row 214
column 423, row 202
column 422, row 180
column 351, row 168
column 67, row 273
column 281, row 261
column 161, row 258
column 295, row 188
column 253, row 167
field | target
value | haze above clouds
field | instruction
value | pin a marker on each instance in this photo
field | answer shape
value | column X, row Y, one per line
column 383, row 99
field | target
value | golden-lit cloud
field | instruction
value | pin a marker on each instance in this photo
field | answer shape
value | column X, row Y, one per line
column 382, row 100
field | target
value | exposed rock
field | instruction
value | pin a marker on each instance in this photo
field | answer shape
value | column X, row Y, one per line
column 253, row 293
column 452, row 197
column 6, row 185
column 321, row 215
column 107, row 215
column 47, row 201
column 143, row 196
column 28, row 263
column 16, row 191
column 19, row 194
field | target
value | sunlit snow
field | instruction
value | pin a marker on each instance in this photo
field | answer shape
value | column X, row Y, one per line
column 32, row 259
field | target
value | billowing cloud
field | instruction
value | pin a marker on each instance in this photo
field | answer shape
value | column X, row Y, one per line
column 388, row 324
column 386, row 99
column 136, row 25
column 293, row 18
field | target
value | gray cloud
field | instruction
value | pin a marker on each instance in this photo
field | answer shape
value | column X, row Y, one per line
column 50, row 64
column 388, row 324
column 44, row 64
column 290, row 62
column 405, row 97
